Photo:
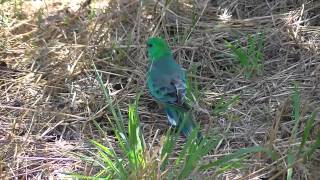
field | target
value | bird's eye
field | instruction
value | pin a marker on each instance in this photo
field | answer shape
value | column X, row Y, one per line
column 149, row 45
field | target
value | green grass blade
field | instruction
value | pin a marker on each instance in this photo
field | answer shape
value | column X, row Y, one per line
column 188, row 155
column 236, row 155
column 249, row 57
column 187, row 144
column 307, row 129
column 192, row 91
column 168, row 146
column 103, row 148
column 251, row 44
column 78, row 176
column 111, row 159
column 110, row 163
column 195, row 153
column 117, row 116
column 135, row 155
column 259, row 51
column 222, row 105
column 296, row 111
column 107, row 96
column 290, row 161
column 119, row 128
column 314, row 146
column 239, row 54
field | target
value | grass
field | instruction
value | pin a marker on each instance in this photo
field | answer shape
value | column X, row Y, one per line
column 251, row 57
column 223, row 105
column 135, row 162
column 18, row 8
column 303, row 153
column 74, row 102
column 193, row 94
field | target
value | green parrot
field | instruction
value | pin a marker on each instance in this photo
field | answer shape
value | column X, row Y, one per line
column 166, row 81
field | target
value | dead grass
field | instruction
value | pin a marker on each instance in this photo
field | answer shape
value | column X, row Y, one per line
column 49, row 93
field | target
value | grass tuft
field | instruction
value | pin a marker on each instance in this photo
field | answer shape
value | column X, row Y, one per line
column 251, row 57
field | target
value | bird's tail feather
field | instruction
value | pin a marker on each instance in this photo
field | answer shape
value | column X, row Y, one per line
column 178, row 117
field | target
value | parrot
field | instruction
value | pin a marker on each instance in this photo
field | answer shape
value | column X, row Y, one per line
column 166, row 82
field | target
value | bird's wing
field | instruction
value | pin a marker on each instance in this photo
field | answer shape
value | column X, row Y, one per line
column 180, row 88
column 169, row 89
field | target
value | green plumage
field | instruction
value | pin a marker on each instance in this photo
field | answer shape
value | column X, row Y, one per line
column 166, row 81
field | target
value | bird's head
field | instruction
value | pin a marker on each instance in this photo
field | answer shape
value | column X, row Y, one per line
column 157, row 48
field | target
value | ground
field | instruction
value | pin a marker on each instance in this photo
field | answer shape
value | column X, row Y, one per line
column 50, row 95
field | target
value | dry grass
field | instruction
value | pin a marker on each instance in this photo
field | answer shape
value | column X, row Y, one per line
column 50, row 96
